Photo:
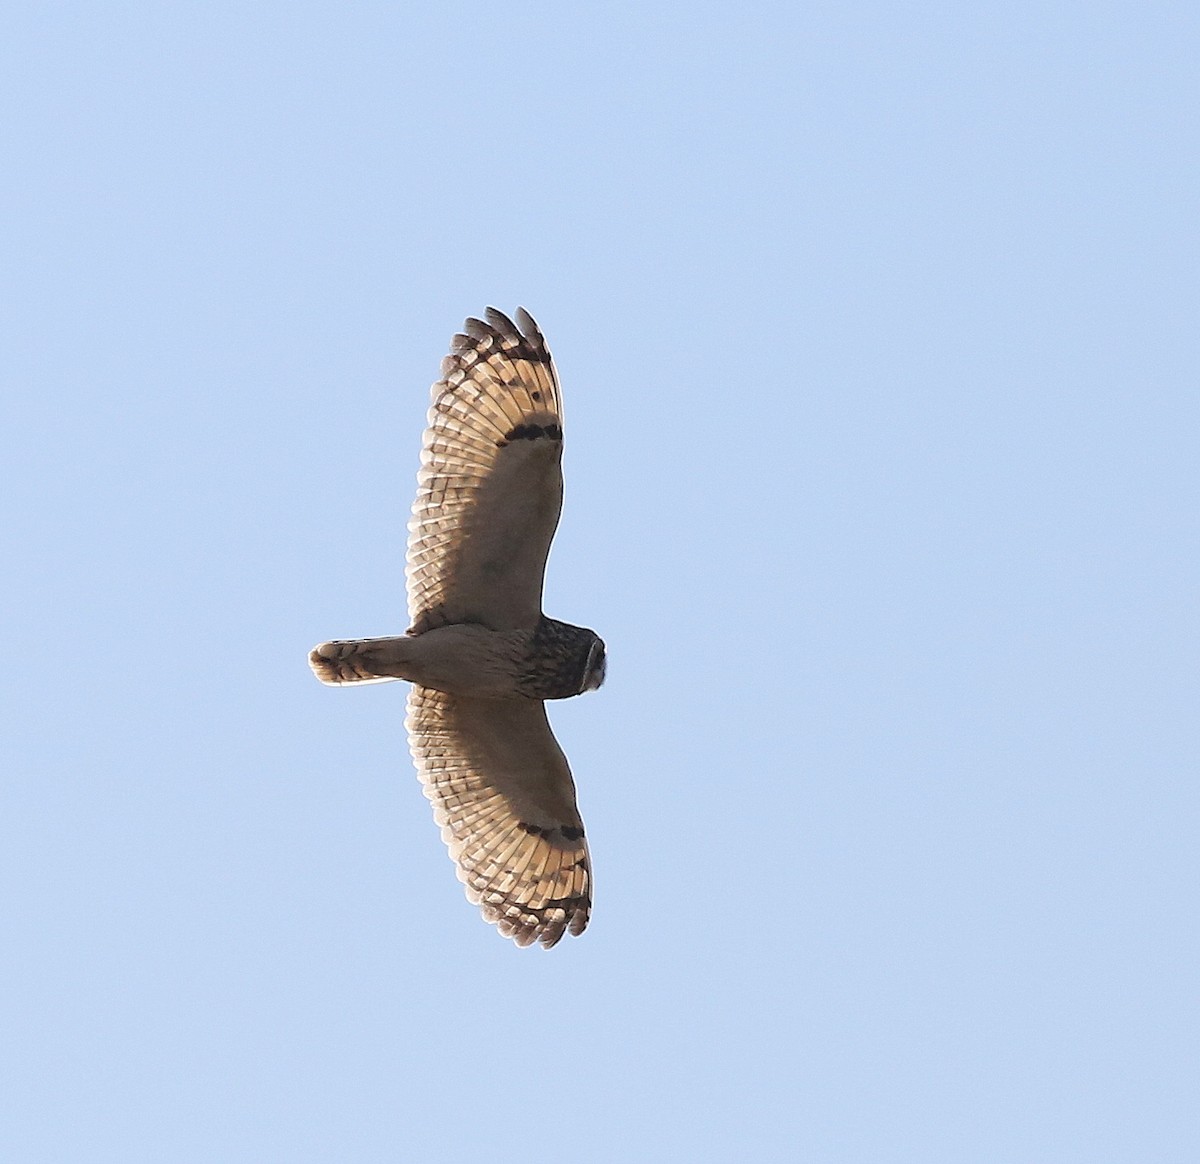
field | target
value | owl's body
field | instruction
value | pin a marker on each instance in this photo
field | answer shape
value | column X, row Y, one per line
column 481, row 654
column 553, row 660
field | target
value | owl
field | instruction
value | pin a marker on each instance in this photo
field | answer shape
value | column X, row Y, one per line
column 481, row 656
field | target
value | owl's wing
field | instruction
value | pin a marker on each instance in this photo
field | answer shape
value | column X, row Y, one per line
column 490, row 486
column 503, row 796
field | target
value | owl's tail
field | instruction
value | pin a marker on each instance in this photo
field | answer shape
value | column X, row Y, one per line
column 360, row 660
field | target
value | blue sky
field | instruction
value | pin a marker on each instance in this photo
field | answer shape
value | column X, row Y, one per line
column 877, row 330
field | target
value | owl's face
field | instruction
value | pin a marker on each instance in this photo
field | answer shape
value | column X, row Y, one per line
column 593, row 673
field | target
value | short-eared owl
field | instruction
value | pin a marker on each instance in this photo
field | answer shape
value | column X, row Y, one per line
column 481, row 655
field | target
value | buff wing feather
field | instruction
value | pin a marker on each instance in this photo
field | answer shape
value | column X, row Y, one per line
column 503, row 795
column 490, row 485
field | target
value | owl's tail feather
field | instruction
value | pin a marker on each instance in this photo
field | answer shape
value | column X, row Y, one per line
column 360, row 660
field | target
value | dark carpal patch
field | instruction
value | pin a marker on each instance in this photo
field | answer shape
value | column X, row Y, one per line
column 530, row 432
column 568, row 832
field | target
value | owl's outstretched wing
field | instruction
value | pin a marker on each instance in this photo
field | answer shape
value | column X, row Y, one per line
column 503, row 795
column 490, row 485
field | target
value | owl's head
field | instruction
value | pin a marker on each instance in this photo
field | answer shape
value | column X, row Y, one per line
column 597, row 662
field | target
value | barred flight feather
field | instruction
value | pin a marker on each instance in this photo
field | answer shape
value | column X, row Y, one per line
column 503, row 796
column 473, row 555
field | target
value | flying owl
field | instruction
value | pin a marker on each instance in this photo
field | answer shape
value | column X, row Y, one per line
column 480, row 654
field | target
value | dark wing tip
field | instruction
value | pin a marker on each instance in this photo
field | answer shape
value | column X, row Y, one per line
column 476, row 329
column 525, row 341
column 525, row 327
column 529, row 326
column 501, row 323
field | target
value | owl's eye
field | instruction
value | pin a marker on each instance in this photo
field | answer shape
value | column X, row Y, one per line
column 597, row 664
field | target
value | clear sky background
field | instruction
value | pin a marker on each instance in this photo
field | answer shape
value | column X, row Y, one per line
column 877, row 325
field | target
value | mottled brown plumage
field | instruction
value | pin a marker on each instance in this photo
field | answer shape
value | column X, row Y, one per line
column 481, row 654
